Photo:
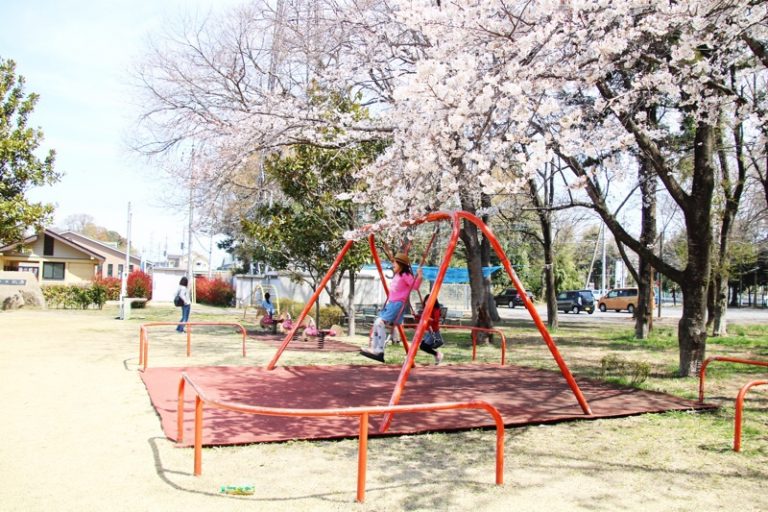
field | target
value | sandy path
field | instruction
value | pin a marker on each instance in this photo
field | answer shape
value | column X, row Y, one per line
column 78, row 433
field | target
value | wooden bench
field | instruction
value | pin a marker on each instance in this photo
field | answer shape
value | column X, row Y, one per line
column 367, row 314
column 452, row 316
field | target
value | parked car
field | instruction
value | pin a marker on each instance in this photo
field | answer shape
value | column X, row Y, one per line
column 510, row 298
column 576, row 301
column 620, row 299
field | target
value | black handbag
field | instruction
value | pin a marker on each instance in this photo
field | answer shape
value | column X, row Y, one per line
column 178, row 301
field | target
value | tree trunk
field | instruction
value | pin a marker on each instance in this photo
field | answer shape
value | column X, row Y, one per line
column 351, row 304
column 477, row 286
column 485, row 261
column 550, row 292
column 732, row 191
column 541, row 201
column 692, row 329
column 692, row 332
column 720, row 304
column 644, row 312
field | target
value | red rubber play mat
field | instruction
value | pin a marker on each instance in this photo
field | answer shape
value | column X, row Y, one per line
column 523, row 396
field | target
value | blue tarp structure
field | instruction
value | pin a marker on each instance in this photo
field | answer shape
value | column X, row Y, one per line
column 452, row 276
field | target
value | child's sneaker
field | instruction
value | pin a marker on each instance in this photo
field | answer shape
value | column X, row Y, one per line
column 376, row 356
column 438, row 358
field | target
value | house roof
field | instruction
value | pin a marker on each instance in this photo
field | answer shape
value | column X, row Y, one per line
column 56, row 236
column 98, row 245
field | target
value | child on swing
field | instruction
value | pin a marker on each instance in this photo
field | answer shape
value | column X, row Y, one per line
column 400, row 290
column 432, row 339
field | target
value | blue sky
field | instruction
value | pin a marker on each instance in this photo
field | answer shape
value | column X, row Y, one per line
column 77, row 55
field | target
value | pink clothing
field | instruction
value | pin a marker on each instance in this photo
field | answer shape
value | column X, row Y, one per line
column 402, row 285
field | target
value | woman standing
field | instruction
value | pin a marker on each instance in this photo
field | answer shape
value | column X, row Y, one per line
column 183, row 294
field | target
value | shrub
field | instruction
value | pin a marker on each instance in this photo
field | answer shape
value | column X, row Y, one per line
column 68, row 296
column 55, row 294
column 98, row 293
column 111, row 285
column 139, row 285
column 215, row 292
column 330, row 315
column 292, row 307
column 633, row 371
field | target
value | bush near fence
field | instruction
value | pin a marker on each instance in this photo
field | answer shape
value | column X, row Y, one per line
column 139, row 286
column 74, row 296
column 111, row 286
column 329, row 315
column 214, row 292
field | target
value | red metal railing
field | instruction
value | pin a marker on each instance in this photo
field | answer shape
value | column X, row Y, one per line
column 739, row 398
column 362, row 413
column 474, row 330
column 703, row 372
column 144, row 338
column 739, row 407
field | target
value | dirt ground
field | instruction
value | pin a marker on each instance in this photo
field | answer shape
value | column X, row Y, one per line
column 79, row 433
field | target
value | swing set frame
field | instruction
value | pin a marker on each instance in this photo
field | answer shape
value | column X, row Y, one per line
column 455, row 219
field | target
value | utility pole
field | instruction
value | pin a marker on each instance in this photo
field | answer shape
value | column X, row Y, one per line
column 602, row 271
column 124, row 315
column 190, row 277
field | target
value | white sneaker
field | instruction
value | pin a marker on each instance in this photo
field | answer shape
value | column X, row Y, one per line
column 438, row 358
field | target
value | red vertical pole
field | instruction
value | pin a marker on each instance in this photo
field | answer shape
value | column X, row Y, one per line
column 362, row 457
column 180, row 411
column 198, row 436
column 189, row 339
column 503, row 348
column 702, row 376
column 310, row 303
column 737, row 421
column 243, row 329
column 425, row 315
column 474, row 344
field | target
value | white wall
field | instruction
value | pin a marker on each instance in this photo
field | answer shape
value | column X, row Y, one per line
column 368, row 290
column 165, row 282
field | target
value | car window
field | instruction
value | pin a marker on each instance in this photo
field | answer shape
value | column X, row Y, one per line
column 612, row 294
column 562, row 295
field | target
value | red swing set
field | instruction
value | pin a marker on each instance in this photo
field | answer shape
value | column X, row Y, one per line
column 455, row 218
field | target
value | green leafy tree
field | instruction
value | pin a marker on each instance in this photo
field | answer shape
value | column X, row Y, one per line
column 304, row 232
column 20, row 167
column 302, row 228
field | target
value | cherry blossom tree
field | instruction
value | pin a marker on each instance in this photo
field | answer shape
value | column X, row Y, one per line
column 476, row 96
column 566, row 78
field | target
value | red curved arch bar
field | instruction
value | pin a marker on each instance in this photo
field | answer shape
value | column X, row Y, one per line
column 455, row 219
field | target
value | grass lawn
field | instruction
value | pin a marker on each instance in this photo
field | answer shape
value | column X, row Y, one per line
column 80, row 434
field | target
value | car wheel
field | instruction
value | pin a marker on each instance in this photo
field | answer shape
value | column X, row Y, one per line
column 575, row 310
column 603, row 308
column 591, row 311
column 511, row 305
column 631, row 308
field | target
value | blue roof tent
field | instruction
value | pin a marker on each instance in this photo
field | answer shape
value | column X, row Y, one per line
column 453, row 275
